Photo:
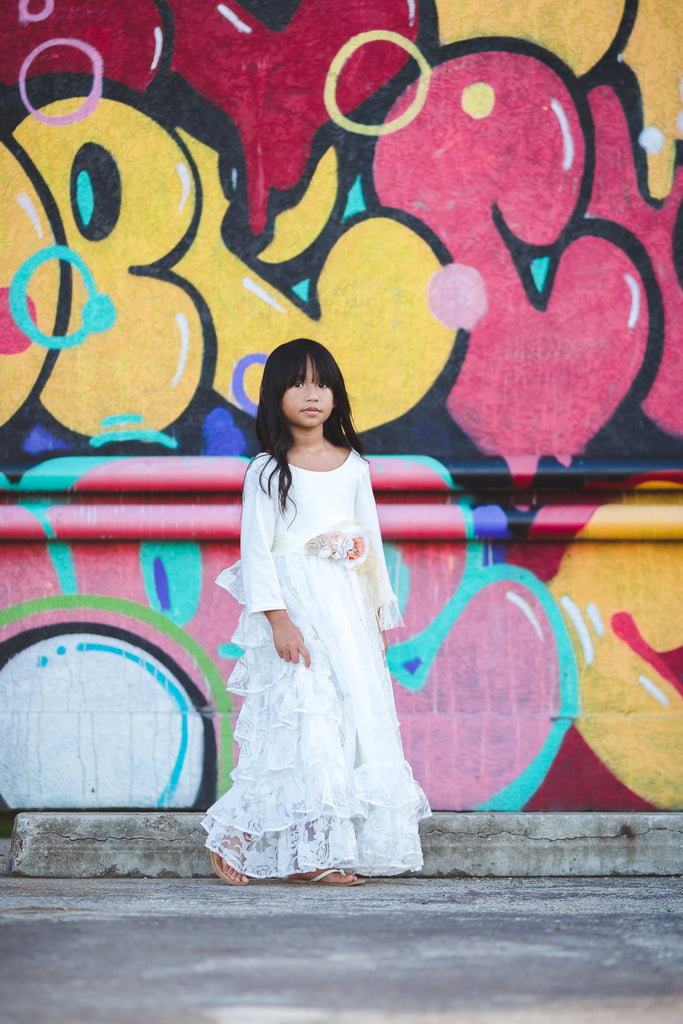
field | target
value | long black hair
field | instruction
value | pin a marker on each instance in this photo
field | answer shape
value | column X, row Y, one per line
column 285, row 366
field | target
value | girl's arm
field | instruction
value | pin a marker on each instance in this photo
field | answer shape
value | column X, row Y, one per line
column 388, row 614
column 261, row 584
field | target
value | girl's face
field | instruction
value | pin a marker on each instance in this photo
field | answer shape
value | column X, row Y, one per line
column 307, row 403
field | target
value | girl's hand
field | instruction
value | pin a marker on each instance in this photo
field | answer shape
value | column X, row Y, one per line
column 288, row 640
column 385, row 642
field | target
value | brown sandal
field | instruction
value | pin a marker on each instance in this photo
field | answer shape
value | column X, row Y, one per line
column 323, row 874
column 217, row 865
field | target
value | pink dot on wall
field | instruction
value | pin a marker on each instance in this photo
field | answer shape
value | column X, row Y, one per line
column 457, row 296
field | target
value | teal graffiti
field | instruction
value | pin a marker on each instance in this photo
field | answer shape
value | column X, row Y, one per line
column 172, row 573
column 98, row 313
column 355, row 201
column 62, row 560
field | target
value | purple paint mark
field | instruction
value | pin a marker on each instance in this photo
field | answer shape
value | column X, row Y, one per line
column 412, row 666
column 161, row 585
column 41, row 440
column 238, row 391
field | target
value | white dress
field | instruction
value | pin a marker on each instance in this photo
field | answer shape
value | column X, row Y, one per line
column 321, row 779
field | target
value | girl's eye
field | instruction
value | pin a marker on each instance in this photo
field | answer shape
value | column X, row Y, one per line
column 322, row 385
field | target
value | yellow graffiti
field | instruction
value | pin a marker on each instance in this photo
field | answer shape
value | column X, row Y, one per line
column 631, row 714
column 298, row 227
column 478, row 100
column 655, row 52
column 373, row 298
column 24, row 227
column 147, row 366
column 349, row 48
column 579, row 33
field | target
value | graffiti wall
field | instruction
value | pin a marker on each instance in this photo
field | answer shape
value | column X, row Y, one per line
column 476, row 206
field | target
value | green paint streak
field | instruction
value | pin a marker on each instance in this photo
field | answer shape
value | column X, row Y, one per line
column 126, row 417
column 56, row 474
column 133, row 435
column 230, row 651
column 60, row 555
column 539, row 271
column 39, row 510
column 182, row 564
column 355, row 201
column 302, row 289
column 133, row 610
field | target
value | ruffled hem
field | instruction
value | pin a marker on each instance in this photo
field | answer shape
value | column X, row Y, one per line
column 385, row 843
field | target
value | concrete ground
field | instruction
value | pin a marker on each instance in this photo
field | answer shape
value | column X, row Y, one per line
column 437, row 951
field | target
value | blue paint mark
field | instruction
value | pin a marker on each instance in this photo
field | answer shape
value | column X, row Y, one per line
column 42, row 661
column 40, row 439
column 62, row 560
column 172, row 572
column 302, row 289
column 355, row 201
column 231, row 651
column 61, row 650
column 221, row 436
column 85, row 197
column 490, row 521
column 539, row 271
column 150, row 436
column 412, row 666
column 161, row 585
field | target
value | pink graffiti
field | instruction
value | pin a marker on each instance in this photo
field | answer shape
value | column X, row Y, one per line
column 457, row 296
column 126, row 36
column 616, row 195
column 534, row 381
column 457, row 728
column 25, row 16
column 259, row 77
column 93, row 98
column 12, row 340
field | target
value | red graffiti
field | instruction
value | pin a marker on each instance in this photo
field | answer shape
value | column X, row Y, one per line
column 272, row 83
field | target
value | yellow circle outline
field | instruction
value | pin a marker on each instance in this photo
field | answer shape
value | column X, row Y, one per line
column 353, row 44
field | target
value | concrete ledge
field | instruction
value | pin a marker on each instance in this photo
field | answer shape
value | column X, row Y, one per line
column 100, row 844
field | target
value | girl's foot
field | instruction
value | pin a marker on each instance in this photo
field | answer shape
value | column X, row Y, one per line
column 328, row 876
column 225, row 872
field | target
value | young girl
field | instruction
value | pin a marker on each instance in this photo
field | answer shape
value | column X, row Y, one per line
column 322, row 790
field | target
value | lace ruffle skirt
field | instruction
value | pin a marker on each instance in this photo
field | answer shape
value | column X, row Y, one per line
column 321, row 779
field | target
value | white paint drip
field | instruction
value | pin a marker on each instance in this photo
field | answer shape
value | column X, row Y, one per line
column 654, row 690
column 181, row 320
column 233, row 178
column 635, row 299
column 411, row 12
column 186, row 181
column 559, row 113
column 525, row 607
column 158, row 45
column 261, row 293
column 579, row 625
column 233, row 19
column 593, row 613
column 26, row 203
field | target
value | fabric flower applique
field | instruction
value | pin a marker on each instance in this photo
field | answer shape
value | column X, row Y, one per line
column 350, row 545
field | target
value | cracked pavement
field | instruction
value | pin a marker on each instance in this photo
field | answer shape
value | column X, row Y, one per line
column 438, row 951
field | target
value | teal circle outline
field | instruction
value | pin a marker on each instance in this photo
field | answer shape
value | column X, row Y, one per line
column 98, row 315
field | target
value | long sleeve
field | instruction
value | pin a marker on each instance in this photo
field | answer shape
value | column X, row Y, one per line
column 388, row 614
column 259, row 514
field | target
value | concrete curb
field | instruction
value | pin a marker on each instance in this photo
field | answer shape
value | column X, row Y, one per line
column 100, row 844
